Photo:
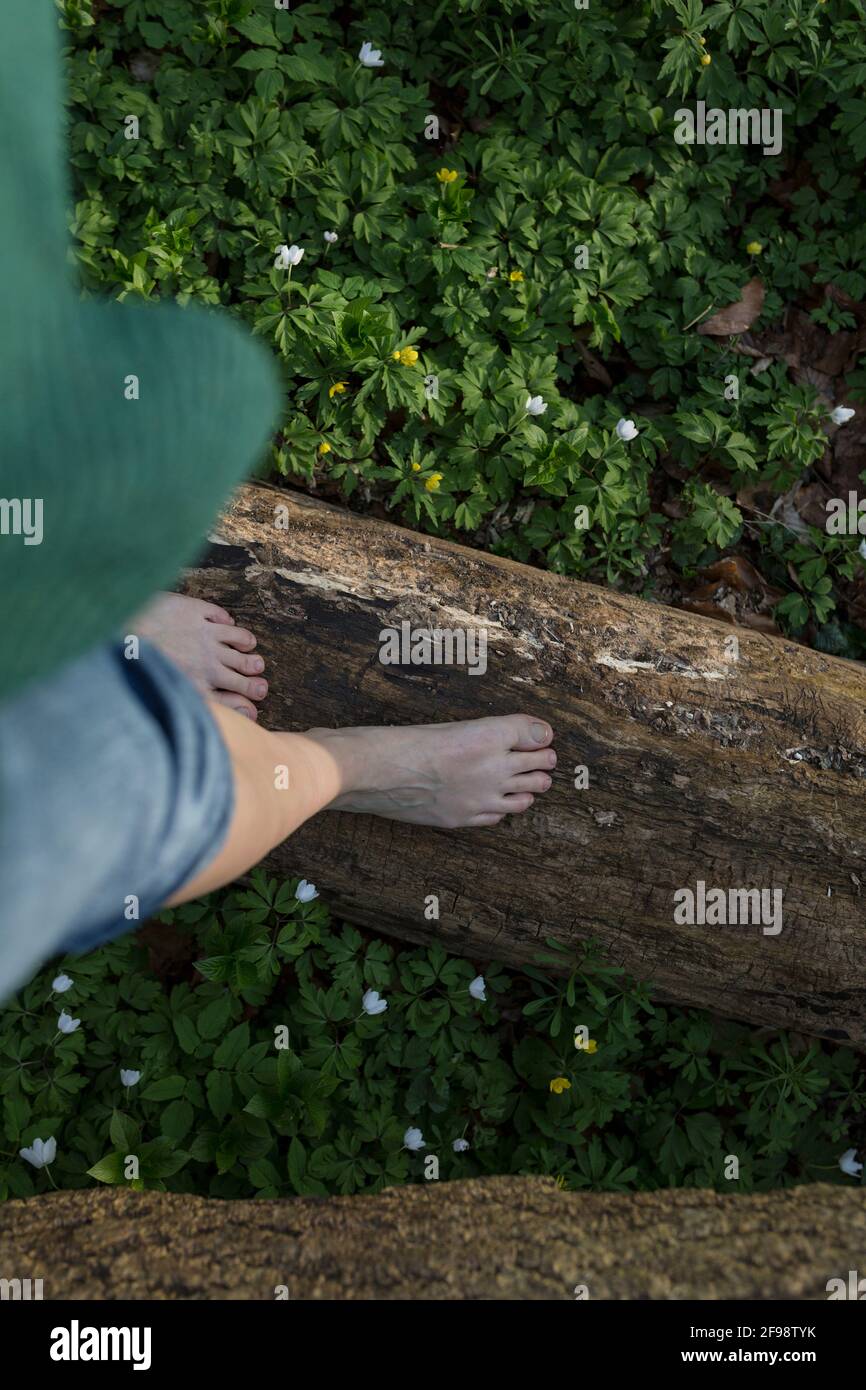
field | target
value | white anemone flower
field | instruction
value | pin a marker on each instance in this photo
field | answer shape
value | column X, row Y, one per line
column 373, row 1004
column 848, row 1163
column 41, row 1153
column 369, row 56
column 287, row 256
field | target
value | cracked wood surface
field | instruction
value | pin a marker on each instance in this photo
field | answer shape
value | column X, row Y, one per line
column 743, row 773
column 486, row 1238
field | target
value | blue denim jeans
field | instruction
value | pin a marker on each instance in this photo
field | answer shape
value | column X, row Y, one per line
column 115, row 789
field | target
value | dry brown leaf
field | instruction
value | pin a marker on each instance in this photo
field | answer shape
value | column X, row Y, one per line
column 760, row 622
column 735, row 571
column 708, row 610
column 739, row 317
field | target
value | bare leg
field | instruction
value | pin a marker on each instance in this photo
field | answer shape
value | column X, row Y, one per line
column 465, row 774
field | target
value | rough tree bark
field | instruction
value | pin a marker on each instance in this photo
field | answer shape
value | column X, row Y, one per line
column 741, row 773
column 490, row 1238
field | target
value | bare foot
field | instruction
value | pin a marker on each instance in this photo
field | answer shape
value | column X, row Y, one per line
column 465, row 774
column 202, row 639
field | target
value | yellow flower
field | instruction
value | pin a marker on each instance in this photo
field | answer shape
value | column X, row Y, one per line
column 416, row 468
column 516, row 275
column 754, row 248
column 447, row 175
column 409, row 356
column 324, row 447
column 432, row 483
column 560, row 1084
column 705, row 60
column 591, row 1046
column 701, row 39
column 396, row 354
column 337, row 389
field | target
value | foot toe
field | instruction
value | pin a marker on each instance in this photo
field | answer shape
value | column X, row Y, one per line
column 483, row 820
column 530, row 782
column 514, row 803
column 253, row 687
column 239, row 637
column 529, row 734
column 532, row 762
column 215, row 614
column 243, row 662
column 236, row 702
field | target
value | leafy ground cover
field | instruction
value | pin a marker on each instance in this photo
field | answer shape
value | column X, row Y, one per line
column 513, row 216
column 255, row 1046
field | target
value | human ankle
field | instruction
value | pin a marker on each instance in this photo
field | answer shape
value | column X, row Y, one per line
column 347, row 751
column 314, row 765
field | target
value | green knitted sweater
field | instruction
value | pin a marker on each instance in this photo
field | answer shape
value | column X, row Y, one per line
column 128, row 424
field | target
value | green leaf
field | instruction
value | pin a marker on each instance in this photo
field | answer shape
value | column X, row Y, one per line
column 307, row 64
column 176, row 1120
column 168, row 1088
column 297, row 1165
column 186, row 1033
column 233, row 1046
column 258, row 29
column 219, row 1093
column 269, row 85
column 155, row 35
column 256, row 59
column 214, row 1017
column 262, row 1173
column 109, row 1169
column 160, row 1159
column 123, row 1132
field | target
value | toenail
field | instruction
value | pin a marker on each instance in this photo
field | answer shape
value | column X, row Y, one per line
column 259, row 687
column 258, row 664
column 539, row 733
column 551, row 758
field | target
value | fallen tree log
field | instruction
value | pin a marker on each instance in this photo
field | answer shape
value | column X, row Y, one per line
column 736, row 766
column 487, row 1238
